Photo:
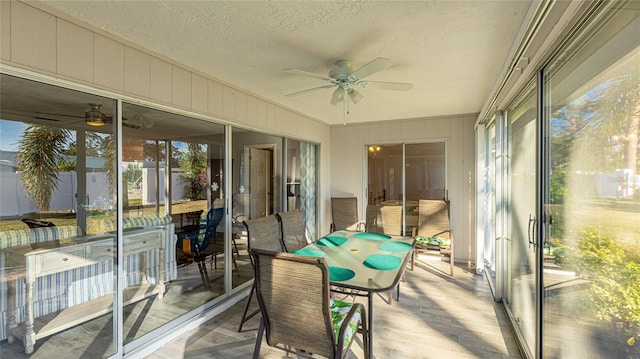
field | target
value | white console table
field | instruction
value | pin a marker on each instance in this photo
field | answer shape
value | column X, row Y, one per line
column 41, row 259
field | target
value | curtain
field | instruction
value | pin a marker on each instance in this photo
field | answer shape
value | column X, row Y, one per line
column 308, row 187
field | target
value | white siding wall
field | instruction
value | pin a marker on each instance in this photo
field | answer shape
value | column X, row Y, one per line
column 349, row 157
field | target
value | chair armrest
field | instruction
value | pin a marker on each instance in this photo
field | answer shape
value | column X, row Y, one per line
column 450, row 231
column 347, row 320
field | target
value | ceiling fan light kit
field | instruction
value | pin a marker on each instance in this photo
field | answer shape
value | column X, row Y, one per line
column 94, row 117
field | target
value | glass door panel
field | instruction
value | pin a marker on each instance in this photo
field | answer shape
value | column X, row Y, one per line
column 490, row 200
column 256, row 185
column 174, row 243
column 591, row 272
column 403, row 174
column 521, row 255
column 58, row 192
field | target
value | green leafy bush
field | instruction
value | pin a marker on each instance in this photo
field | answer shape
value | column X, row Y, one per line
column 615, row 291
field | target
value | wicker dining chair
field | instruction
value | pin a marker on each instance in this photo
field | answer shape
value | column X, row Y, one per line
column 344, row 214
column 433, row 222
column 262, row 233
column 292, row 230
column 298, row 313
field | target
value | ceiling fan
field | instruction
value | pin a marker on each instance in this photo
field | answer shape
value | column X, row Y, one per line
column 93, row 117
column 344, row 78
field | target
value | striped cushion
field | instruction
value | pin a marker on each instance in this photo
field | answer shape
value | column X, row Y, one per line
column 17, row 237
column 150, row 220
column 339, row 311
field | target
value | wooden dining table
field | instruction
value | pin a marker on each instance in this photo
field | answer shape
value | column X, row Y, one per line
column 363, row 263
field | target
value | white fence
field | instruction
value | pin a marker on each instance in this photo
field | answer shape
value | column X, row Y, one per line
column 14, row 201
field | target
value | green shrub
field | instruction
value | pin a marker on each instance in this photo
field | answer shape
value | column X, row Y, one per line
column 615, row 290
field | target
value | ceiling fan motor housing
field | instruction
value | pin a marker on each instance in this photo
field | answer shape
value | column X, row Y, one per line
column 342, row 71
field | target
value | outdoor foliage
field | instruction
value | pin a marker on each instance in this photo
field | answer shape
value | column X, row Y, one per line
column 194, row 164
column 615, row 290
column 40, row 151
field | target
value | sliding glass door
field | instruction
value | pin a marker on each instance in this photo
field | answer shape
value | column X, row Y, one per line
column 592, row 249
column 401, row 175
column 520, row 296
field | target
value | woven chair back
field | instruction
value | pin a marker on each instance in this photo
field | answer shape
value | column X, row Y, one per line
column 344, row 212
column 293, row 293
column 391, row 220
column 384, row 219
column 433, row 218
column 264, row 233
column 292, row 227
column 374, row 219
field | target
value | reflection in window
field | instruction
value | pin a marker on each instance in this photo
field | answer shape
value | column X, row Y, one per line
column 57, row 182
column 591, row 258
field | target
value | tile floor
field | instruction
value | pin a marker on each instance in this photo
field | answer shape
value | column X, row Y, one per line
column 436, row 317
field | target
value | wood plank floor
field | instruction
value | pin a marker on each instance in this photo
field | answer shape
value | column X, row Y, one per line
column 436, row 317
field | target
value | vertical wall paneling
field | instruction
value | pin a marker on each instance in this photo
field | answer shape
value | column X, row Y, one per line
column 470, row 184
column 241, row 107
column 271, row 116
column 252, row 110
column 181, row 87
column 5, row 30
column 161, row 80
column 33, row 37
column 261, row 120
column 74, row 51
column 228, row 102
column 108, row 62
column 214, row 98
column 199, row 95
column 137, row 68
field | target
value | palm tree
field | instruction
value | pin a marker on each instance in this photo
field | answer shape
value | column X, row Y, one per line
column 40, row 150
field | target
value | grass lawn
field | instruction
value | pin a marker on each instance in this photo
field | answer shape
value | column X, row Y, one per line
column 95, row 224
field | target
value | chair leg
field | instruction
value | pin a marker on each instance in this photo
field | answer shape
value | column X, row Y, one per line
column 256, row 349
column 365, row 334
column 203, row 274
column 245, row 318
column 235, row 246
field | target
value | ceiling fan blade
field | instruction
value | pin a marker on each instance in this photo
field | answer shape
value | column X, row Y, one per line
column 372, row 67
column 396, row 86
column 130, row 125
column 311, row 74
column 45, row 116
column 109, row 120
column 309, row 90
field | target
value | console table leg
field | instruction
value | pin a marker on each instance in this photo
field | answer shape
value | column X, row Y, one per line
column 30, row 334
column 11, row 320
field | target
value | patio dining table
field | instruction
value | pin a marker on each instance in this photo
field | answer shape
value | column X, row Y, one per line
column 364, row 262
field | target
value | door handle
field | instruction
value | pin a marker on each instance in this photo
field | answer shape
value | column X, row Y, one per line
column 531, row 231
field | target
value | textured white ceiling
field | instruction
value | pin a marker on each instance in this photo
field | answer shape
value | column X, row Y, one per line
column 452, row 51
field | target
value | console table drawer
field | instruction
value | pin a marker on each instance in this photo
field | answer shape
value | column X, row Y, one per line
column 142, row 242
column 58, row 261
column 102, row 252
